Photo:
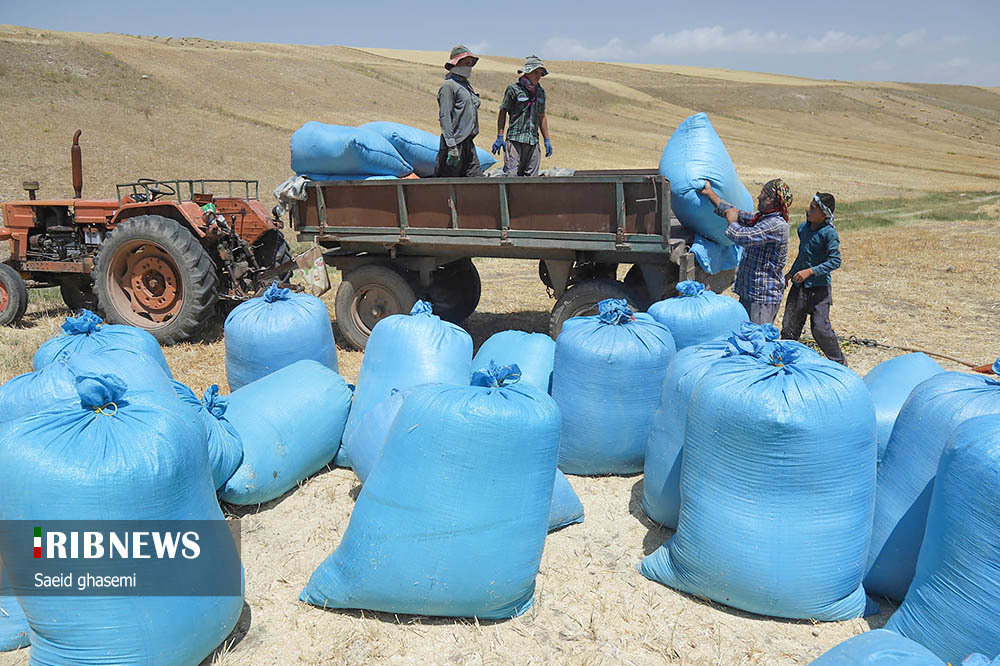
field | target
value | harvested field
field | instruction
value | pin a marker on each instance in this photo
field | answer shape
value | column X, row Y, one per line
column 914, row 169
column 927, row 284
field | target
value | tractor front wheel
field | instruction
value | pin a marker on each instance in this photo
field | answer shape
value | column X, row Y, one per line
column 13, row 296
column 154, row 274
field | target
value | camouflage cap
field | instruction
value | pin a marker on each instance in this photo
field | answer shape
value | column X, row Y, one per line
column 531, row 63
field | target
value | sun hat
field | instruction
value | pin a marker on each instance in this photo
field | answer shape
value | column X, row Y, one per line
column 457, row 54
column 531, row 63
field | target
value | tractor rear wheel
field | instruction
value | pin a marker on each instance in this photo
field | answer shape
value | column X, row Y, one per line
column 367, row 295
column 13, row 296
column 154, row 274
column 271, row 250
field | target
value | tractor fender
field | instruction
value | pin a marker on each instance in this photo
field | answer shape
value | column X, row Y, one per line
column 186, row 213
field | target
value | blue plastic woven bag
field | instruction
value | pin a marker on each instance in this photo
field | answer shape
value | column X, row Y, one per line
column 276, row 330
column 890, row 383
column 777, row 488
column 694, row 154
column 417, row 147
column 953, row 604
column 452, row 520
column 134, row 459
column 606, row 380
column 533, row 353
column 55, row 382
column 880, row 647
column 715, row 258
column 225, row 447
column 291, row 422
column 698, row 315
column 13, row 625
column 368, row 438
column 88, row 332
column 906, row 474
column 661, row 490
column 405, row 351
column 340, row 150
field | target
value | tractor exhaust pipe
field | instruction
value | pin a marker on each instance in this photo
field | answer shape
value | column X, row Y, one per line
column 77, row 162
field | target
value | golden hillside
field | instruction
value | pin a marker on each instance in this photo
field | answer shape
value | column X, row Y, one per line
column 186, row 107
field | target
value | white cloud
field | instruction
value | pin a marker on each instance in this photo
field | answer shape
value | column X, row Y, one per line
column 561, row 48
column 958, row 62
column 912, row 39
column 478, row 47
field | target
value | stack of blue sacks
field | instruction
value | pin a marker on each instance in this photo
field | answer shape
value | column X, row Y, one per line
column 376, row 150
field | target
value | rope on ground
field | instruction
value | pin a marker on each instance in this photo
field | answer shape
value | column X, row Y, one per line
column 853, row 340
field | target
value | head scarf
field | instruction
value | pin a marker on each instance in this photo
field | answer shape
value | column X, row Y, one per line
column 830, row 217
column 781, row 198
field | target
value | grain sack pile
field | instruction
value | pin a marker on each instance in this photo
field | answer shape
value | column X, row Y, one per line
column 778, row 488
column 953, row 604
column 275, row 330
column 928, row 419
column 225, row 447
column 114, row 454
column 429, row 535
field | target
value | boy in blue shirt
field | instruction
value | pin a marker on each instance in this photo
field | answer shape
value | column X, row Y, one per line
column 810, row 295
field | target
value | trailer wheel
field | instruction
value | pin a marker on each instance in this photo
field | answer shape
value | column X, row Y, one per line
column 13, row 296
column 455, row 290
column 367, row 295
column 78, row 294
column 153, row 273
column 581, row 300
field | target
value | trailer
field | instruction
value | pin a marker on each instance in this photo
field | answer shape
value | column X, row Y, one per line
column 398, row 240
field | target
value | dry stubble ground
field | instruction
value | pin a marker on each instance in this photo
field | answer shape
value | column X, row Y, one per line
column 925, row 284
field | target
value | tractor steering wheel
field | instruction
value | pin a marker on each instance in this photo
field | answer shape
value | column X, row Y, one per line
column 156, row 188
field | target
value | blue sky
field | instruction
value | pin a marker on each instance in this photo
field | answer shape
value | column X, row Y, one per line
column 920, row 40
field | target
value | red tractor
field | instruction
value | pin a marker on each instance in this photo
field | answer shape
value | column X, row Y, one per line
column 164, row 256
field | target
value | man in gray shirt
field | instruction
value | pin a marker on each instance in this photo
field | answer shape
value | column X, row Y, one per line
column 459, row 107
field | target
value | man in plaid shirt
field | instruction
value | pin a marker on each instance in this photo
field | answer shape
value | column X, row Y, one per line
column 760, row 278
column 524, row 102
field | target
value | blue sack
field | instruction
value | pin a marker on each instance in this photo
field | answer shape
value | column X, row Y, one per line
column 661, row 479
column 87, row 332
column 275, row 330
column 694, row 154
column 13, row 625
column 953, row 604
column 880, row 647
column 405, row 351
column 452, row 520
column 890, row 383
column 368, row 438
column 697, row 314
column 486, row 160
column 606, row 380
column 55, row 382
column 906, row 474
column 417, row 147
column 135, row 459
column 225, row 447
column 715, row 258
column 777, row 488
column 291, row 422
column 340, row 150
column 533, row 353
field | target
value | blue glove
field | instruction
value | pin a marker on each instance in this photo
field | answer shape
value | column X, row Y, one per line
column 498, row 144
column 548, row 148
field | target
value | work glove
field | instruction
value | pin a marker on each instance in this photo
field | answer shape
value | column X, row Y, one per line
column 548, row 148
column 454, row 157
column 498, row 144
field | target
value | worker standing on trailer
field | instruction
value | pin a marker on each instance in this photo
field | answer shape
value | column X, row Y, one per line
column 524, row 102
column 810, row 295
column 459, row 109
column 760, row 277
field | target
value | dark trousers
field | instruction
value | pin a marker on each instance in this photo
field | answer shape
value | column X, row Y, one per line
column 815, row 303
column 760, row 313
column 468, row 163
